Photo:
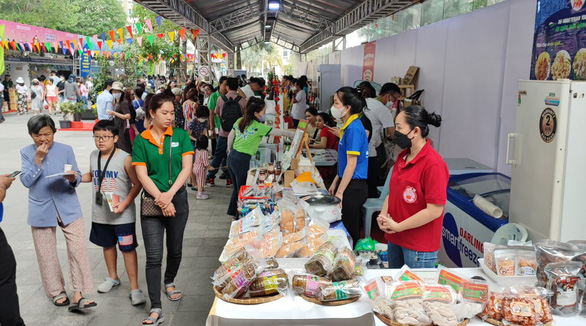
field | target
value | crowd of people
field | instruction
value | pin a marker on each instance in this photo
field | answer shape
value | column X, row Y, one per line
column 45, row 93
column 154, row 143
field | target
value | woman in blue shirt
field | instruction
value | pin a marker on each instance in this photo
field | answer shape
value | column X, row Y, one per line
column 52, row 201
column 350, row 183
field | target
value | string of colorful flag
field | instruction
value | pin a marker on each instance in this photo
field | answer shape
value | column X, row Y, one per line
column 98, row 46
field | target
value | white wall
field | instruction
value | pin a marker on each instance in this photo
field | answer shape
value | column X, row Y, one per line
column 470, row 65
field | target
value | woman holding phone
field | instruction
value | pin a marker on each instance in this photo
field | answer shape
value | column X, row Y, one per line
column 163, row 156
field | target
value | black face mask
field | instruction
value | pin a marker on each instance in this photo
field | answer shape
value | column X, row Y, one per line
column 402, row 140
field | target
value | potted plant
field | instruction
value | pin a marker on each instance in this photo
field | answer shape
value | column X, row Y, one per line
column 68, row 109
column 78, row 109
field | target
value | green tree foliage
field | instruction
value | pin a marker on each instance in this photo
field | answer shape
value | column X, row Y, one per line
column 260, row 56
column 75, row 16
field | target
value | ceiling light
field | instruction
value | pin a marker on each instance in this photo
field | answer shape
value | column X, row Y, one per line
column 274, row 5
column 268, row 26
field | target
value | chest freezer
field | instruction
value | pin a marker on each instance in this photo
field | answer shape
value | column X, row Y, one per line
column 466, row 227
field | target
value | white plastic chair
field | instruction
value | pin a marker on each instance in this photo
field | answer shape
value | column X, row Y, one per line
column 373, row 205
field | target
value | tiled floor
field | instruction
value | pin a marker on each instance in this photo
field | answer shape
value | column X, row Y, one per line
column 205, row 236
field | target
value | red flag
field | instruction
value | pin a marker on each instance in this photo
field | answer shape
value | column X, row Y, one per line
column 81, row 44
column 195, row 32
column 182, row 34
column 129, row 28
column 160, row 35
column 119, row 41
column 100, row 45
column 89, row 53
column 112, row 35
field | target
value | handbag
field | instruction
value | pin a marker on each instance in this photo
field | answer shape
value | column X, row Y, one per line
column 148, row 207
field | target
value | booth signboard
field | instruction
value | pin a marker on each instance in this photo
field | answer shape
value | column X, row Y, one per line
column 368, row 64
column 86, row 64
column 559, row 42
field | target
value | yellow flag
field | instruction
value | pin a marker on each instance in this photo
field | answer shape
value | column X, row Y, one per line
column 109, row 44
column 121, row 32
column 1, row 52
column 172, row 36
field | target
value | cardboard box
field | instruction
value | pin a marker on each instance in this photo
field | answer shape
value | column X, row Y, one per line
column 411, row 77
column 289, row 176
column 294, row 163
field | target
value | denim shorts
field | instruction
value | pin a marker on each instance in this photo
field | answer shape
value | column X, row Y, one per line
column 106, row 236
column 399, row 256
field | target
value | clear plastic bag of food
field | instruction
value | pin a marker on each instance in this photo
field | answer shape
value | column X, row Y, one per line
column 526, row 263
column 563, row 282
column 404, row 290
column 269, row 282
column 344, row 264
column 294, row 237
column 441, row 313
column 475, row 291
column 405, row 274
column 411, row 312
column 292, row 216
column 489, row 255
column 384, row 307
column 375, row 288
column 505, row 261
column 549, row 251
column 271, row 243
column 246, row 224
column 317, row 228
column 308, row 284
column 439, row 293
column 338, row 291
column 536, row 295
column 323, row 260
column 252, row 238
column 447, row 277
column 289, row 250
column 235, row 276
column 271, row 263
column 312, row 246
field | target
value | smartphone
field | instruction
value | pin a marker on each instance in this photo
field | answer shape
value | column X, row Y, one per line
column 14, row 174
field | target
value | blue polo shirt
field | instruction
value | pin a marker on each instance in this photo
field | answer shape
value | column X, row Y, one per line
column 353, row 142
column 1, row 211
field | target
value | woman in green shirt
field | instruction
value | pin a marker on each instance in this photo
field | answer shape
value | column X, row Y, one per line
column 243, row 142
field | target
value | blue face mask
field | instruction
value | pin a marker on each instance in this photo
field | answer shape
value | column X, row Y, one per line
column 263, row 118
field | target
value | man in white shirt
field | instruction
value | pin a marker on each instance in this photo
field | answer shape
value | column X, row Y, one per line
column 381, row 118
column 105, row 102
column 299, row 103
column 255, row 85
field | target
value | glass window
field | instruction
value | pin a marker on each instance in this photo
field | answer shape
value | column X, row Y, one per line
column 432, row 11
column 412, row 19
column 453, row 8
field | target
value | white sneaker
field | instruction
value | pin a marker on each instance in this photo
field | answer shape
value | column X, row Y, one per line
column 202, row 195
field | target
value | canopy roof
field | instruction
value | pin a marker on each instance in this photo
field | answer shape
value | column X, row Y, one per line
column 300, row 25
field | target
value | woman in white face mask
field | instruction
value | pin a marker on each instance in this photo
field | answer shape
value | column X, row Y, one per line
column 350, row 183
column 122, row 115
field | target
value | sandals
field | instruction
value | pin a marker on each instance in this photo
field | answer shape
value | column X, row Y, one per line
column 60, row 296
column 154, row 321
column 82, row 304
column 173, row 292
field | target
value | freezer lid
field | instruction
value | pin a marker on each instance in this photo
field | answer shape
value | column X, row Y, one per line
column 493, row 187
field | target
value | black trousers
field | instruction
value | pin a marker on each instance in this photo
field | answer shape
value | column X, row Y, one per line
column 9, row 309
column 372, row 180
column 354, row 197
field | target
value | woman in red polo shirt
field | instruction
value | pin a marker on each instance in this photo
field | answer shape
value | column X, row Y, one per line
column 412, row 214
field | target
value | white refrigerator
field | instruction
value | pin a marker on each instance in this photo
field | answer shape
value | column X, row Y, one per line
column 548, row 156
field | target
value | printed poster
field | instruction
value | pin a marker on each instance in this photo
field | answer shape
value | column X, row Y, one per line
column 368, row 65
column 559, row 43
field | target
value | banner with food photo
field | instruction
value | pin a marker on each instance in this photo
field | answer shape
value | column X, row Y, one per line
column 559, row 43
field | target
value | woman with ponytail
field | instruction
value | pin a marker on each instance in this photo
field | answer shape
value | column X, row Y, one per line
column 243, row 142
column 412, row 214
column 350, row 183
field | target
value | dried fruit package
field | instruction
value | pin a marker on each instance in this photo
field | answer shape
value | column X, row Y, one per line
column 439, row 293
column 308, row 285
column 269, row 282
column 323, row 260
column 489, row 255
column 526, row 263
column 505, row 262
column 238, row 272
column 404, row 290
column 344, row 264
column 549, row 251
column 337, row 291
column 563, row 282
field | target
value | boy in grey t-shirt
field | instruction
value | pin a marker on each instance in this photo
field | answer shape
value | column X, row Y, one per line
column 115, row 186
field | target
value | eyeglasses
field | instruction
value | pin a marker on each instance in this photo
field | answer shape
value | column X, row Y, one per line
column 102, row 138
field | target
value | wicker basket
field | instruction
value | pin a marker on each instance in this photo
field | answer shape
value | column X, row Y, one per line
column 499, row 323
column 247, row 301
column 329, row 303
column 389, row 322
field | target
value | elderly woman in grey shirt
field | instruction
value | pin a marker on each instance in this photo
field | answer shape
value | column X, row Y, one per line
column 53, row 201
